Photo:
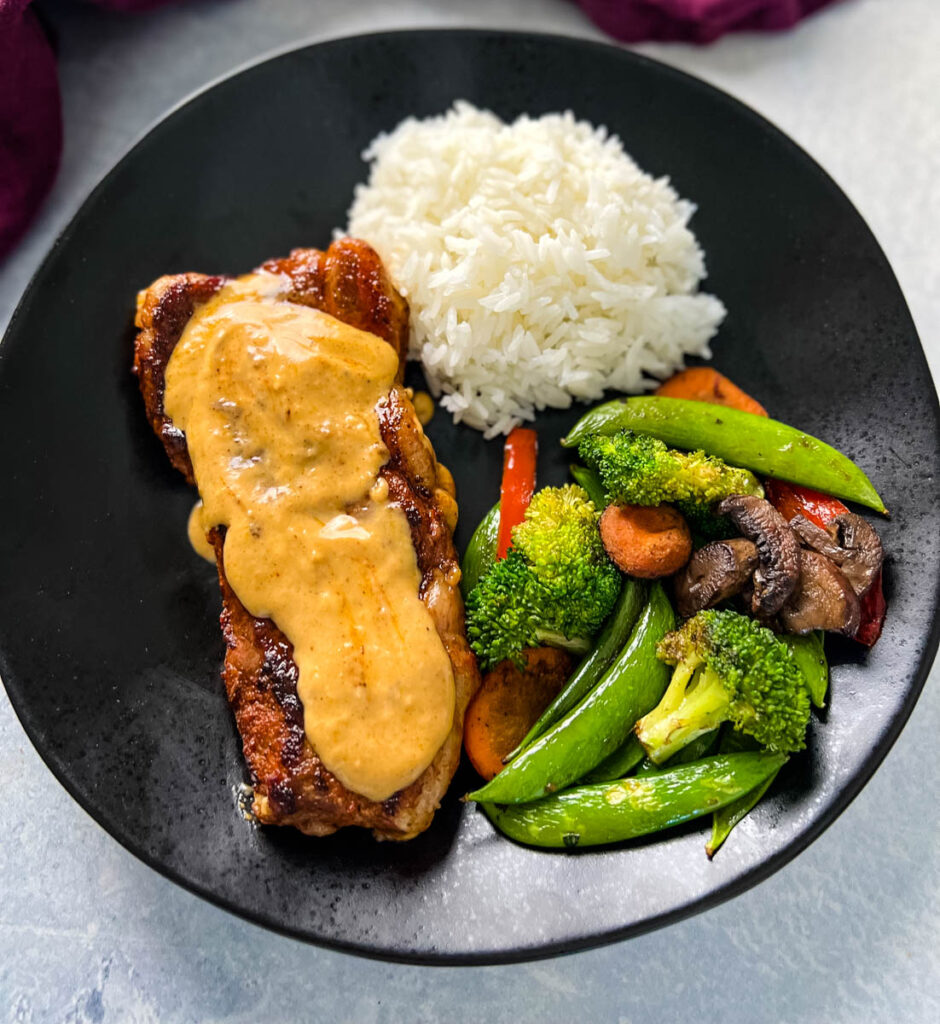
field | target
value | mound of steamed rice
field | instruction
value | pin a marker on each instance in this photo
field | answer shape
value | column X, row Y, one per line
column 541, row 264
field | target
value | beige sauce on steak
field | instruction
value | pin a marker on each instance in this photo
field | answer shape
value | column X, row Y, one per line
column 197, row 534
column 278, row 404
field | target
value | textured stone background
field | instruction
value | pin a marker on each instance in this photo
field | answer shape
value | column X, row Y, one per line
column 848, row 931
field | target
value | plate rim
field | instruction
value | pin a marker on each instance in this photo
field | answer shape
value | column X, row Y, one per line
column 733, row 887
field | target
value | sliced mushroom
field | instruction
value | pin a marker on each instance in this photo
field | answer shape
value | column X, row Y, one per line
column 778, row 550
column 850, row 542
column 816, row 537
column 864, row 553
column 715, row 573
column 823, row 599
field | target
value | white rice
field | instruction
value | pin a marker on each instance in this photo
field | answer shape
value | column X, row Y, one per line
column 541, row 264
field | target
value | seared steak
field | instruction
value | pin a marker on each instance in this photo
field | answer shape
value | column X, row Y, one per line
column 291, row 784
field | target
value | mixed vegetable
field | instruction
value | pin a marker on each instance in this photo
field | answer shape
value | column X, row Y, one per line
column 678, row 707
column 555, row 586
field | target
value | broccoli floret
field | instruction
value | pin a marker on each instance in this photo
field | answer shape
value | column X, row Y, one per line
column 560, row 540
column 729, row 668
column 641, row 470
column 555, row 587
column 705, row 522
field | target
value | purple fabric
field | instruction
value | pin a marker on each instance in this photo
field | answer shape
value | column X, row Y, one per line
column 129, row 5
column 31, row 124
column 31, row 113
column 30, row 108
column 697, row 21
column 30, row 119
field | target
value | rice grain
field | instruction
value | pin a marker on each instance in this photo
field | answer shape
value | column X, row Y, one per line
column 541, row 264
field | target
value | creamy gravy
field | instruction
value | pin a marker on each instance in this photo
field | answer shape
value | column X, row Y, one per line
column 196, row 532
column 278, row 403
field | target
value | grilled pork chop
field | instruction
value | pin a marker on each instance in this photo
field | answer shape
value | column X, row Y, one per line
column 291, row 784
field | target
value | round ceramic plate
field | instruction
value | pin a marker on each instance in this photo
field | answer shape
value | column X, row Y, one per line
column 109, row 641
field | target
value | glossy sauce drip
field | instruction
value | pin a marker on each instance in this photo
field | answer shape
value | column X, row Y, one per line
column 278, row 404
column 197, row 534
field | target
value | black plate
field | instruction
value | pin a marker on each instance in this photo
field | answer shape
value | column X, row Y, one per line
column 109, row 643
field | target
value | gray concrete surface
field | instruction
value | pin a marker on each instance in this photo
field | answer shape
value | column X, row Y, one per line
column 848, row 931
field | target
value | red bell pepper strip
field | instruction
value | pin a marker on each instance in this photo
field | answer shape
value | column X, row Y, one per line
column 874, row 609
column 790, row 500
column 519, row 455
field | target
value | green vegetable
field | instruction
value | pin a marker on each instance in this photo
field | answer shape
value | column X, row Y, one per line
column 599, row 724
column 705, row 523
column 591, row 482
column 480, row 555
column 694, row 751
column 810, row 654
column 740, row 438
column 615, row 634
column 726, row 818
column 728, row 668
column 612, row 812
column 636, row 469
column 622, row 761
column 555, row 587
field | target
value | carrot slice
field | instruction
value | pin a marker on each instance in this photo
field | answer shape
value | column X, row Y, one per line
column 508, row 703
column 704, row 384
column 648, row 542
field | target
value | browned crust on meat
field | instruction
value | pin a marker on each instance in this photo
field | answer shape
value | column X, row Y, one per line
column 291, row 784
column 163, row 310
column 348, row 281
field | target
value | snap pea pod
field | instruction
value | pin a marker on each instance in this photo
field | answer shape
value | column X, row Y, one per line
column 613, row 636
column 740, row 438
column 481, row 551
column 725, row 818
column 612, row 812
column 810, row 654
column 694, row 751
column 811, row 657
column 634, row 683
column 616, row 765
column 591, row 482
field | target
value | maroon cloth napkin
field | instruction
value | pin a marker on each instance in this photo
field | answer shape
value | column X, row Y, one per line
column 697, row 21
column 129, row 5
column 30, row 113
column 30, row 110
column 30, row 119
